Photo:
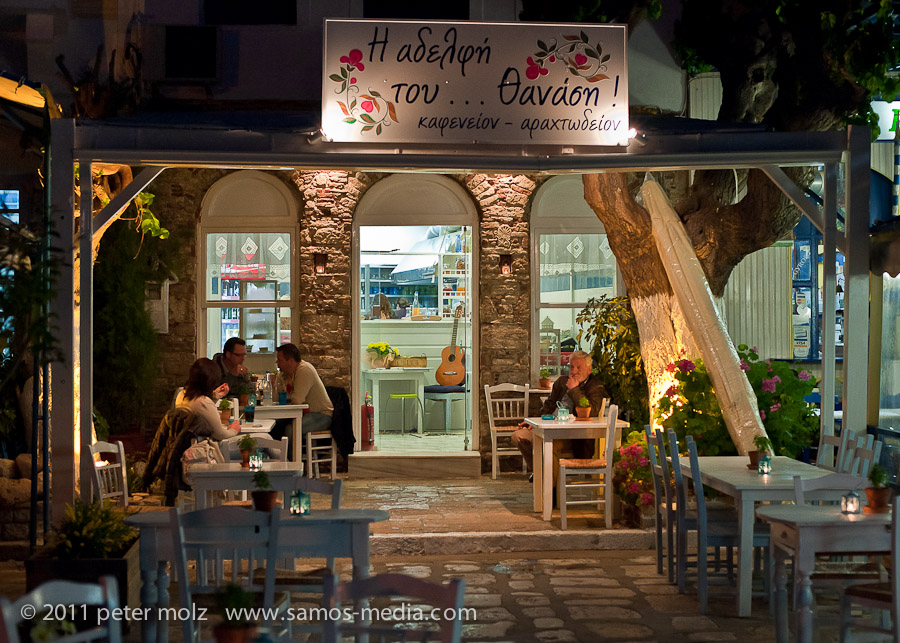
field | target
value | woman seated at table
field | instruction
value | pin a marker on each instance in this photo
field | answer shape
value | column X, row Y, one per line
column 200, row 395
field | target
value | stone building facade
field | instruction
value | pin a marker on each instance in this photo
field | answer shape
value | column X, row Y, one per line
column 328, row 200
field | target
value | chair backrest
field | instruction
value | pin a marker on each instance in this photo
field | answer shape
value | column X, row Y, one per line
column 863, row 455
column 277, row 447
column 832, row 452
column 613, row 438
column 211, row 537
column 664, row 467
column 681, row 488
column 695, row 476
column 111, row 479
column 603, row 406
column 104, row 594
column 316, row 485
column 828, row 489
column 447, row 600
column 510, row 407
column 655, row 469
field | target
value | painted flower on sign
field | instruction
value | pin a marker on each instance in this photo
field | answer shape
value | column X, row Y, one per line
column 370, row 109
column 580, row 58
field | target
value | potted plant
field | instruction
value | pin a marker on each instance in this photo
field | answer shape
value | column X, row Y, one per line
column 879, row 493
column 225, row 410
column 545, row 378
column 92, row 541
column 246, row 445
column 762, row 444
column 263, row 496
column 583, row 410
column 380, row 354
column 233, row 604
column 243, row 393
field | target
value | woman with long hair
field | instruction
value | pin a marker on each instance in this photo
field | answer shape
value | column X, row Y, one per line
column 200, row 396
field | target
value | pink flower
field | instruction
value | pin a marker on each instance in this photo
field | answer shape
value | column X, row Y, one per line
column 670, row 368
column 646, row 498
column 580, row 59
column 804, row 376
column 672, row 391
column 686, row 366
column 774, row 408
column 367, row 106
column 762, row 415
column 644, row 461
column 770, row 384
column 634, row 487
column 754, row 349
column 354, row 59
column 744, row 365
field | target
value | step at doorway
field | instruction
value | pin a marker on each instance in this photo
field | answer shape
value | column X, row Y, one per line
column 414, row 464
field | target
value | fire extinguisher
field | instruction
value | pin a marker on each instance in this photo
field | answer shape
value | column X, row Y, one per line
column 368, row 424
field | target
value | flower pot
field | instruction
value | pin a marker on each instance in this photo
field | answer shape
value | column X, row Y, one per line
column 544, row 382
column 225, row 415
column 225, row 634
column 244, row 399
column 879, row 500
column 754, row 459
column 583, row 412
column 245, row 459
column 379, row 362
column 264, row 500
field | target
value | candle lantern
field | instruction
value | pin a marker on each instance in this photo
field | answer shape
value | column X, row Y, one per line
column 300, row 503
column 850, row 503
column 256, row 461
column 765, row 464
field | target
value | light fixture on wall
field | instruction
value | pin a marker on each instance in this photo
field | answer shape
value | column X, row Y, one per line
column 319, row 262
column 505, row 265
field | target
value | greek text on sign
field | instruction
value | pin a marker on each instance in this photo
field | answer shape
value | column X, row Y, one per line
column 466, row 82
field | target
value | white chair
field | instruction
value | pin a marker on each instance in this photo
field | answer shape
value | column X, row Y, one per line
column 317, row 444
column 111, row 479
column 832, row 451
column 104, row 594
column 210, row 538
column 883, row 595
column 278, row 449
column 665, row 508
column 863, row 455
column 504, row 415
column 447, row 600
column 590, row 467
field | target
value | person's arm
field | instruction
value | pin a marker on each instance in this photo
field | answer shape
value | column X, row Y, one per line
column 594, row 391
column 303, row 383
column 212, row 422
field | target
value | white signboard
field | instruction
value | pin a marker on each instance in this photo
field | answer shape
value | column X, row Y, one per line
column 888, row 118
column 468, row 82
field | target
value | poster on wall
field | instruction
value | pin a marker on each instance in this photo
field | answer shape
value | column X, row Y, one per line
column 801, row 323
column 471, row 82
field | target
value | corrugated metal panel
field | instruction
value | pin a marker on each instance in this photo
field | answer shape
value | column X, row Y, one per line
column 705, row 96
column 758, row 302
column 883, row 158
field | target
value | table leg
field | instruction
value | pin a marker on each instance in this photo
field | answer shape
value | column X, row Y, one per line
column 781, row 618
column 359, row 545
column 200, row 496
column 149, row 625
column 804, row 561
column 296, row 441
column 547, row 482
column 376, row 404
column 537, row 466
column 745, row 556
column 420, row 407
column 162, row 592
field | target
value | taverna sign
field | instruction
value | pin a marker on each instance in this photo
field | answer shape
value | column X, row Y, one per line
column 473, row 82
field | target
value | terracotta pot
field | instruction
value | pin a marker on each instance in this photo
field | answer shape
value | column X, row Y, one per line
column 544, row 382
column 226, row 634
column 244, row 400
column 754, row 459
column 225, row 415
column 245, row 459
column 264, row 500
column 583, row 412
column 879, row 499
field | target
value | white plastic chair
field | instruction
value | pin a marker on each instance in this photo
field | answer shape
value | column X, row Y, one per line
column 104, row 594
column 883, row 595
column 504, row 415
column 445, row 599
column 111, row 479
column 317, row 443
column 210, row 538
column 602, row 467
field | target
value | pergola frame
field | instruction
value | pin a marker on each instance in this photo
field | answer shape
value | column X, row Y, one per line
column 157, row 148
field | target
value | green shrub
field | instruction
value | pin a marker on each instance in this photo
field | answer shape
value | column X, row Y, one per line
column 93, row 530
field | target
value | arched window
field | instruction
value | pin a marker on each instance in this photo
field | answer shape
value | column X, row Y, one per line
column 571, row 262
column 248, row 232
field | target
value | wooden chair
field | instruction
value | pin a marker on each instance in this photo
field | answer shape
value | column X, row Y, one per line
column 661, row 506
column 277, row 449
column 832, row 452
column 602, row 467
column 111, row 479
column 861, row 456
column 212, row 537
column 883, row 595
column 671, row 503
column 504, row 415
column 446, row 600
column 317, row 443
column 104, row 594
column 714, row 529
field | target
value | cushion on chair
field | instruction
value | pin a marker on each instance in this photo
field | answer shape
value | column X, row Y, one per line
column 441, row 388
column 583, row 463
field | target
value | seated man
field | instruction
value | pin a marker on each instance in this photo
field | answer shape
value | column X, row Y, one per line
column 231, row 366
column 567, row 390
column 302, row 384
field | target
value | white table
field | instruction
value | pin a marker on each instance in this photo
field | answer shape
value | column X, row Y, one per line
column 230, row 476
column 375, row 376
column 257, row 429
column 730, row 475
column 292, row 412
column 333, row 533
column 545, row 432
column 803, row 532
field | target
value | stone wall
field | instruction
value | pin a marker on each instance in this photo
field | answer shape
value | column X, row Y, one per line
column 15, row 498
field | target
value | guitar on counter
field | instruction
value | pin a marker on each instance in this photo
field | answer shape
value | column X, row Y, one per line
column 452, row 370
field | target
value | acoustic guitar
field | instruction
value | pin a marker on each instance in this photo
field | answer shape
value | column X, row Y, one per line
column 452, row 370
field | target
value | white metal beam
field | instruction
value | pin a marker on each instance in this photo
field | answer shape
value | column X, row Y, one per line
column 829, row 293
column 86, row 327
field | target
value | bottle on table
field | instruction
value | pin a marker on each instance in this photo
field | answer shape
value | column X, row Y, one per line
column 267, row 390
column 415, row 304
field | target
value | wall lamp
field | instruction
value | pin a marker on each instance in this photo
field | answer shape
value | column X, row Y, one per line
column 320, row 260
column 505, row 264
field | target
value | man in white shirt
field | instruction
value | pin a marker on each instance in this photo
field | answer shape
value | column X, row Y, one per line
column 302, row 384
